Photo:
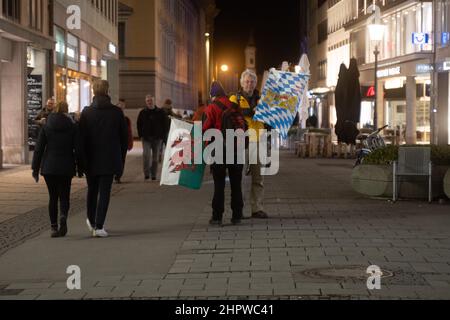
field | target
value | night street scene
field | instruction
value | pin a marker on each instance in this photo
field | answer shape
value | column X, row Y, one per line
column 224, row 156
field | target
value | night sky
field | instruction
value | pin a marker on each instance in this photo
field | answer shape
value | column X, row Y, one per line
column 278, row 29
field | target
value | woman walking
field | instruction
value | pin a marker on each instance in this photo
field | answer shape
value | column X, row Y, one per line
column 55, row 158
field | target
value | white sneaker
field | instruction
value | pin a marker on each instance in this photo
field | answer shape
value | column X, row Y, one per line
column 101, row 233
column 89, row 225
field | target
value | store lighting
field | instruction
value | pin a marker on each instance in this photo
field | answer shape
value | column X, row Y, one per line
column 103, row 63
column 83, row 58
column 376, row 32
column 207, row 34
column 70, row 53
column 93, row 63
column 112, row 48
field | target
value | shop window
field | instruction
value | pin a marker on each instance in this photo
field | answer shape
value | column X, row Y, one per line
column 60, row 46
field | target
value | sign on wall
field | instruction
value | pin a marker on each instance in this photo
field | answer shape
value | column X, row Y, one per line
column 34, row 106
column 420, row 38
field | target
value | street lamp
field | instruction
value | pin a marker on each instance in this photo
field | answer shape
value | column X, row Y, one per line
column 224, row 68
column 376, row 34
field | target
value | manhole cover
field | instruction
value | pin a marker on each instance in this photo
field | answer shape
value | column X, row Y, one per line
column 344, row 272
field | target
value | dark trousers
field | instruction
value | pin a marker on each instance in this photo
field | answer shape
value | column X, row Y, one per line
column 219, row 172
column 99, row 194
column 58, row 190
column 152, row 149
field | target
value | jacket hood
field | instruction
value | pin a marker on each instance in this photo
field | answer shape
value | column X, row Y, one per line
column 59, row 122
column 102, row 102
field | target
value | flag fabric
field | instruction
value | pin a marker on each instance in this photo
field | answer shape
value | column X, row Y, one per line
column 281, row 99
column 174, row 169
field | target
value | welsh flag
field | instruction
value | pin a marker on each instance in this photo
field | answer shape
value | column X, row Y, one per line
column 179, row 167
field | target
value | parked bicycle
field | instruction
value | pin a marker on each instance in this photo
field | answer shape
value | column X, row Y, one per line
column 370, row 143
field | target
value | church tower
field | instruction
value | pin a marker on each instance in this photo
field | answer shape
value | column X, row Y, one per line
column 250, row 54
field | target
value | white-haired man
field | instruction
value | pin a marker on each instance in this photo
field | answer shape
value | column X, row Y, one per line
column 248, row 100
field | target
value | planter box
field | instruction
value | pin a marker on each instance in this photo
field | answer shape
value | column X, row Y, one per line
column 447, row 183
column 376, row 181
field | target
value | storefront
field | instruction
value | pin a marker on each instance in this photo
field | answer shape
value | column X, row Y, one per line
column 78, row 65
column 404, row 102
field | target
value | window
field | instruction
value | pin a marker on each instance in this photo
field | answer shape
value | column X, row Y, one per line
column 121, row 39
column 11, row 9
column 36, row 14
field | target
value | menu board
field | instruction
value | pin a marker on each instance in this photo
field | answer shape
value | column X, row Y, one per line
column 34, row 105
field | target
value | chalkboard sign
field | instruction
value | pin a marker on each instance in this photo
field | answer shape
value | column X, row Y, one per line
column 34, row 105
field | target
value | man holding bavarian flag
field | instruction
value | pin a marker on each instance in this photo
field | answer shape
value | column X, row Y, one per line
column 248, row 98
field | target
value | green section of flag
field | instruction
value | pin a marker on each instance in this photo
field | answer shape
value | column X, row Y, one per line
column 192, row 178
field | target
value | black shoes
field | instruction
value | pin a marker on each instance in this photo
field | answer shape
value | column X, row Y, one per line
column 63, row 227
column 214, row 222
column 236, row 221
column 55, row 232
column 260, row 215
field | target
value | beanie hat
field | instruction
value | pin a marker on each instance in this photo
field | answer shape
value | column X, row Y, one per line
column 217, row 90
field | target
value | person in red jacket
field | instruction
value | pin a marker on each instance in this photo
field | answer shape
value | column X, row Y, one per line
column 213, row 120
column 122, row 105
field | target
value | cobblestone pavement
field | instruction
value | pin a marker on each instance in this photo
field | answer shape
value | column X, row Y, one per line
column 317, row 244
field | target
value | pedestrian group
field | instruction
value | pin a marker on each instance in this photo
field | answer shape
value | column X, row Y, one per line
column 96, row 143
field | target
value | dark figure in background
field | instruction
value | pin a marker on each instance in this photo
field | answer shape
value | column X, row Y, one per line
column 42, row 116
column 312, row 121
column 122, row 105
column 152, row 128
column 56, row 157
column 104, row 141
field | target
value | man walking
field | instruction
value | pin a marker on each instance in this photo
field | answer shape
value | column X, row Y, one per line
column 248, row 100
column 152, row 130
column 104, row 143
column 42, row 116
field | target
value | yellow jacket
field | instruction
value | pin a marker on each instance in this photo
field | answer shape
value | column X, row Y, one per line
column 252, row 124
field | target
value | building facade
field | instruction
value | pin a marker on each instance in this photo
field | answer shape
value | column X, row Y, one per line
column 166, row 51
column 26, row 47
column 405, row 69
column 86, row 52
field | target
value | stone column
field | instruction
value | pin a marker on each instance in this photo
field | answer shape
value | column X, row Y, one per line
column 443, row 118
column 14, row 111
column 113, row 79
column 411, row 116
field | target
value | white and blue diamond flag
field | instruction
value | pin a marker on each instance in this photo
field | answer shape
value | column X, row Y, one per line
column 280, row 100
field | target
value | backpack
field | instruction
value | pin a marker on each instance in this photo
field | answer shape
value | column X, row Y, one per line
column 233, row 119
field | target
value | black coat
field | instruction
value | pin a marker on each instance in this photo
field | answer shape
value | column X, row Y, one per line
column 104, row 138
column 57, row 149
column 152, row 124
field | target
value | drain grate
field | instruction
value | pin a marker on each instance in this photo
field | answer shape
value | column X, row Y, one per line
column 343, row 273
column 357, row 273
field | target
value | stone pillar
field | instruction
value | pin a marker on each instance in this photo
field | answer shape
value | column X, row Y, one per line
column 411, row 116
column 380, row 105
column 14, row 111
column 443, row 118
column 113, row 79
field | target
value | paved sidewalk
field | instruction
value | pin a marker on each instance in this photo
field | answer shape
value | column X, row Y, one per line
column 317, row 244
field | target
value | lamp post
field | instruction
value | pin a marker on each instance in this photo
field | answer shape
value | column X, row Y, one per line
column 376, row 34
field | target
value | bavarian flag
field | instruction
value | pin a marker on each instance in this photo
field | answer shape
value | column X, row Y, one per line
column 183, row 164
column 280, row 101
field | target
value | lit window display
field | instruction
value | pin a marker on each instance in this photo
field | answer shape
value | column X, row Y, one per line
column 73, row 94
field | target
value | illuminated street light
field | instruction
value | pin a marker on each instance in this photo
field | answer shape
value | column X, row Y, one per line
column 224, row 68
